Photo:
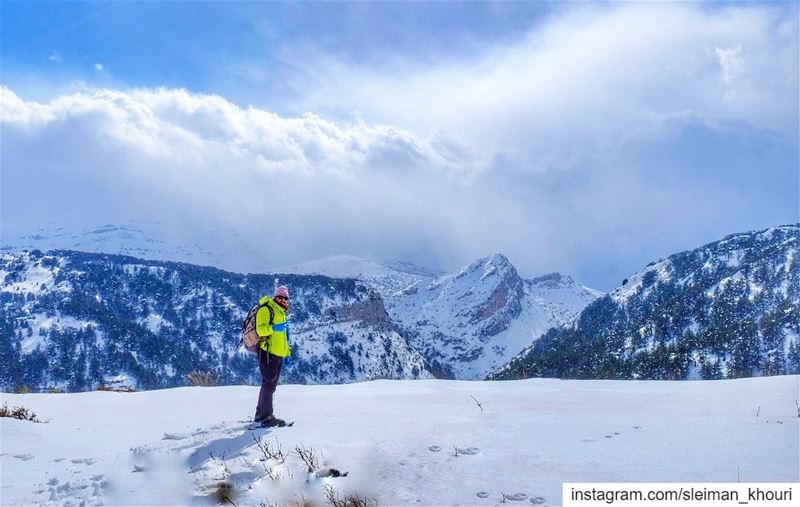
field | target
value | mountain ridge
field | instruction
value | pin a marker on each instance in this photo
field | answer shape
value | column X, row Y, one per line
column 77, row 319
column 729, row 308
column 153, row 321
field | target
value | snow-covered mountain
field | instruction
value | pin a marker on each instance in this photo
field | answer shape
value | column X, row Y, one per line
column 399, row 442
column 222, row 248
column 467, row 323
column 76, row 320
column 470, row 322
column 730, row 308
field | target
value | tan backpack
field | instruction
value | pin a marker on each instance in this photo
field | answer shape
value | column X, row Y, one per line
column 250, row 338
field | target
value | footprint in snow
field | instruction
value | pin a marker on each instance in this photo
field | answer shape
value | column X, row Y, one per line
column 24, row 457
column 86, row 461
column 482, row 494
column 516, row 497
column 537, row 500
column 435, row 448
column 608, row 436
column 471, row 451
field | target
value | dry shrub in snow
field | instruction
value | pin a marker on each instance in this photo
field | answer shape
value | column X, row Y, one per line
column 201, row 378
column 352, row 500
column 268, row 451
column 308, row 456
column 116, row 389
column 21, row 413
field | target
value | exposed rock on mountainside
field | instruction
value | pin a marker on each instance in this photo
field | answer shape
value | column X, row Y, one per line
column 470, row 322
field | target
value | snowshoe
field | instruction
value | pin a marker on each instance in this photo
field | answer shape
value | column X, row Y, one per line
column 271, row 422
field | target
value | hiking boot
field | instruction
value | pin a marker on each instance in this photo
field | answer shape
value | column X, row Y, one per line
column 272, row 421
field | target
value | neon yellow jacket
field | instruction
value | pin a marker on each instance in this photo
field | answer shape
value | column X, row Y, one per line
column 276, row 334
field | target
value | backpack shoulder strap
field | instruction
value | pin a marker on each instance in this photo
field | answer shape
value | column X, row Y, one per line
column 271, row 313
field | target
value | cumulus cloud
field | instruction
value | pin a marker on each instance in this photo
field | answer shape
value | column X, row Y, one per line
column 98, row 67
column 199, row 159
column 600, row 141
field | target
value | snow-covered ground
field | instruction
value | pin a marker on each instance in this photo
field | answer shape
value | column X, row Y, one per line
column 424, row 442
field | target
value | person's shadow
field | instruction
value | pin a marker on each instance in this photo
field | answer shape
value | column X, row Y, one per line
column 224, row 448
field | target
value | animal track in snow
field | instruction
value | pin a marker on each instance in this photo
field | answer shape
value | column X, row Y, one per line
column 471, row 451
column 482, row 494
column 85, row 461
column 24, row 457
column 435, row 448
column 516, row 497
column 537, row 500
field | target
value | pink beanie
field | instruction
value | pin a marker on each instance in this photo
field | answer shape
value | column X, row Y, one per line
column 282, row 291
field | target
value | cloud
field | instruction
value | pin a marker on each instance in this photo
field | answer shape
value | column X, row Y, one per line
column 588, row 78
column 602, row 140
column 98, row 67
column 175, row 156
column 731, row 62
column 55, row 56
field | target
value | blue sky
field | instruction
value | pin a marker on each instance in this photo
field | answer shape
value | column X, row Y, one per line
column 586, row 138
column 198, row 45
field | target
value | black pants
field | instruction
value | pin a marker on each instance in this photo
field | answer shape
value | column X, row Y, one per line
column 270, row 366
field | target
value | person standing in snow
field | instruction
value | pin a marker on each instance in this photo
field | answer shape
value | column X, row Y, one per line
column 274, row 349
